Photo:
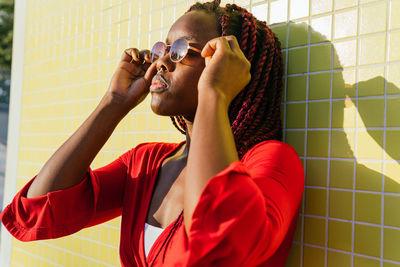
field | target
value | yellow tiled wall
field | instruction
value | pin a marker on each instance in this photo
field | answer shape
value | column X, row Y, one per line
column 341, row 103
column 341, row 100
column 72, row 49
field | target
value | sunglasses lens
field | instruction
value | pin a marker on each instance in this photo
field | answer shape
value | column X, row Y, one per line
column 178, row 50
column 157, row 51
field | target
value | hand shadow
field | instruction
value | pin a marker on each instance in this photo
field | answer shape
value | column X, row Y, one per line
column 337, row 127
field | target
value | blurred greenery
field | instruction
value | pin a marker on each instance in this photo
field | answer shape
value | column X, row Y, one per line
column 6, row 38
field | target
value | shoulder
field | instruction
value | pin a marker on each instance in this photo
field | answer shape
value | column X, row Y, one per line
column 273, row 156
column 273, row 149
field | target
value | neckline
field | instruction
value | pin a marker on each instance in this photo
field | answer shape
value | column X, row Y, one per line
column 151, row 251
column 152, row 226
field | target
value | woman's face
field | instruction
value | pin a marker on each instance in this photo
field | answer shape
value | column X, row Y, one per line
column 180, row 94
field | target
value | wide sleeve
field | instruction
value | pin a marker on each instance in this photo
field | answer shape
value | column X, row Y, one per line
column 96, row 199
column 245, row 211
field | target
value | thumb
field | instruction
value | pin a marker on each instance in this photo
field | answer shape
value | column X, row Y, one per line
column 151, row 71
column 209, row 49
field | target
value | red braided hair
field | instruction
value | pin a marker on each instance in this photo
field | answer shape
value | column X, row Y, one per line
column 255, row 112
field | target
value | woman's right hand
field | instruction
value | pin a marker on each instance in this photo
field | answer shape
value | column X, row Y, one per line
column 131, row 81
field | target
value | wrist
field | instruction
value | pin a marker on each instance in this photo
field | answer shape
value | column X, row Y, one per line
column 113, row 105
column 213, row 97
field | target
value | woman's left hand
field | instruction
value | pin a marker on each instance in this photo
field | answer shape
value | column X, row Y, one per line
column 227, row 69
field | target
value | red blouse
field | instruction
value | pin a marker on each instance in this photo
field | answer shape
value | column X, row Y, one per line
column 246, row 214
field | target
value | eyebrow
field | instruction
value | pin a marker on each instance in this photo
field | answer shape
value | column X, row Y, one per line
column 186, row 37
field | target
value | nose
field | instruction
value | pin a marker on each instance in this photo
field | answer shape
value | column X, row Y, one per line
column 165, row 63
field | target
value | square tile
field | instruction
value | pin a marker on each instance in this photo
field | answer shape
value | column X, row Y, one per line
column 346, row 24
column 338, row 259
column 340, row 235
column 281, row 33
column 313, row 256
column 314, row 231
column 373, row 18
column 392, row 180
column 368, row 207
column 394, row 50
column 318, row 114
column 322, row 26
column 297, row 140
column 320, row 85
column 295, row 115
column 344, row 84
column 317, row 143
column 367, row 240
column 315, row 201
column 394, row 14
column 321, row 6
column 343, row 114
column 320, row 57
column 369, row 176
column 298, row 59
column 392, row 111
column 344, row 143
column 297, row 88
column 391, row 241
column 299, row 9
column 393, row 79
column 341, row 174
column 391, row 214
column 298, row 34
column 278, row 11
column 371, row 81
column 369, row 144
column 372, row 49
column 341, row 204
column 392, row 144
column 316, row 172
column 372, row 111
column 260, row 12
column 345, row 54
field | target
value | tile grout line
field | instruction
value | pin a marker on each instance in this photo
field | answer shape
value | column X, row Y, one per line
column 355, row 133
column 387, row 51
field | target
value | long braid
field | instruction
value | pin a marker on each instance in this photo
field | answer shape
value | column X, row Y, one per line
column 246, row 122
column 255, row 112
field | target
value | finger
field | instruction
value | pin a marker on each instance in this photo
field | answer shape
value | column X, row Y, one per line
column 127, row 54
column 233, row 43
column 135, row 56
column 151, row 71
column 214, row 44
column 133, row 69
column 145, row 55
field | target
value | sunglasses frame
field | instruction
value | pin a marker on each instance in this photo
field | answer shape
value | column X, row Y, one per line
column 167, row 49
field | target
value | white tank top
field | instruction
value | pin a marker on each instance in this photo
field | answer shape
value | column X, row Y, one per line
column 151, row 233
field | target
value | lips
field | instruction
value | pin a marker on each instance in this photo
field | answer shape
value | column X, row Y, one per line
column 158, row 84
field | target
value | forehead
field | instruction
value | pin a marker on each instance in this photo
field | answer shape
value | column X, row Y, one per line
column 196, row 26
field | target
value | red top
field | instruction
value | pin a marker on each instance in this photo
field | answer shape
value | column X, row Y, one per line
column 246, row 214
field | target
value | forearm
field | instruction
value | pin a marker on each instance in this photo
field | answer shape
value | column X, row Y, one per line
column 212, row 149
column 68, row 165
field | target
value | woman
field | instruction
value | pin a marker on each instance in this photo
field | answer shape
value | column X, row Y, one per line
column 232, row 199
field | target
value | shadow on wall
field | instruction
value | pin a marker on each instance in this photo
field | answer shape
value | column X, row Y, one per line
column 337, row 125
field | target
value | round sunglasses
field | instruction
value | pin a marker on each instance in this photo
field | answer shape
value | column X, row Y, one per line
column 177, row 51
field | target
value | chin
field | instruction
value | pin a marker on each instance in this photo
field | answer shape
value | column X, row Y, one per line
column 165, row 111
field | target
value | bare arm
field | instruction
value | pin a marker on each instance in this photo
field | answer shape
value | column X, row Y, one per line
column 68, row 165
column 212, row 146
